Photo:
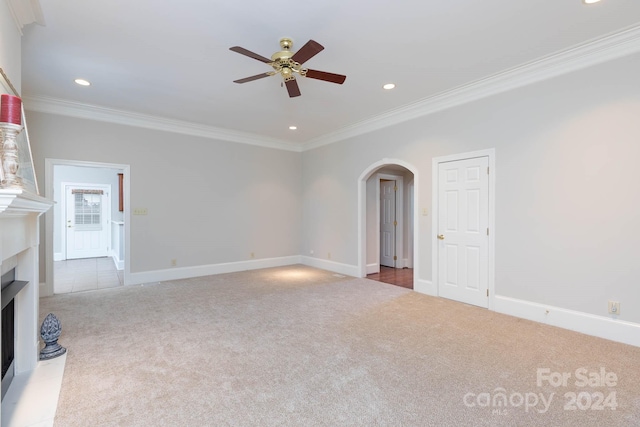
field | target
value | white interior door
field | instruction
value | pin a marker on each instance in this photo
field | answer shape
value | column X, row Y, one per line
column 463, row 241
column 388, row 223
column 87, row 221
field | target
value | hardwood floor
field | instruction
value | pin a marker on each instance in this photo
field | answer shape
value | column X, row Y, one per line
column 394, row 276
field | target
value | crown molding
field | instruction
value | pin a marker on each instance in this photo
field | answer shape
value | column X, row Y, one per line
column 93, row 112
column 25, row 12
column 596, row 51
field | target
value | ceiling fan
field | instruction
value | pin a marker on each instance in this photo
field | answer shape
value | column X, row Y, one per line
column 288, row 63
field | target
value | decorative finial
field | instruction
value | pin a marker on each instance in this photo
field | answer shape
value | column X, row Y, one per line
column 50, row 332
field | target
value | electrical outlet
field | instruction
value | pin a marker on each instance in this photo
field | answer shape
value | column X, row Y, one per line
column 253, row 255
column 614, row 307
column 329, row 255
column 311, row 252
column 140, row 211
column 174, row 262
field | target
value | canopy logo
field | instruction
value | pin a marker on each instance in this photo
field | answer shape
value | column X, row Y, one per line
column 594, row 392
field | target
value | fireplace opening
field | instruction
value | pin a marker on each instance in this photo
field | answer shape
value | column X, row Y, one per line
column 8, row 338
column 10, row 288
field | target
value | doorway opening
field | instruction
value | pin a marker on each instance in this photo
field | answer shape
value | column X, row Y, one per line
column 387, row 223
column 87, row 235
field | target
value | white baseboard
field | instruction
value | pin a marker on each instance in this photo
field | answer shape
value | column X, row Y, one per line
column 373, row 268
column 58, row 256
column 599, row 326
column 424, row 287
column 207, row 270
column 325, row 264
column 119, row 263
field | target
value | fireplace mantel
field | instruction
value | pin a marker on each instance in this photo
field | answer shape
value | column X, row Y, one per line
column 19, row 241
column 20, row 202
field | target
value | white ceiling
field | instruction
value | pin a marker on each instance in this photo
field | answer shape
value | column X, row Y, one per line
column 171, row 59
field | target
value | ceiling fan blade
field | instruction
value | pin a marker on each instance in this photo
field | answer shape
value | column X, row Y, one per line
column 308, row 51
column 327, row 77
column 250, row 54
column 252, row 78
column 292, row 88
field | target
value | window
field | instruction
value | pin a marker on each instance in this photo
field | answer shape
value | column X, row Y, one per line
column 88, row 209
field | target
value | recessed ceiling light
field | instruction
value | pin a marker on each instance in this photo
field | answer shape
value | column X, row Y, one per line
column 82, row 82
column 293, row 127
column 388, row 86
column 590, row 1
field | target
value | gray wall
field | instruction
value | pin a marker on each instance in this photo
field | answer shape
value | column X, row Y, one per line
column 208, row 201
column 567, row 202
column 10, row 55
column 566, row 175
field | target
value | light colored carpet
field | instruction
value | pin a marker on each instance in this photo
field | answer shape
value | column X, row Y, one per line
column 297, row 346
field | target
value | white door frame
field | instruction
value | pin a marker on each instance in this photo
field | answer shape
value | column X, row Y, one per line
column 46, row 288
column 410, row 231
column 399, row 215
column 362, row 215
column 63, row 203
column 491, row 154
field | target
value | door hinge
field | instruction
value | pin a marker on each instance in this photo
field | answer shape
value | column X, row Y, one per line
column 395, row 257
column 395, row 223
column 487, row 292
column 395, row 188
column 487, row 170
column 487, row 231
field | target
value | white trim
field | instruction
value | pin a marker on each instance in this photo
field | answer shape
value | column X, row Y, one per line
column 110, row 115
column 373, row 268
column 210, row 269
column 49, row 165
column 336, row 267
column 18, row 202
column 409, row 260
column 119, row 264
column 362, row 215
column 581, row 56
column 58, row 256
column 491, row 154
column 25, row 12
column 590, row 324
column 399, row 232
column 424, row 287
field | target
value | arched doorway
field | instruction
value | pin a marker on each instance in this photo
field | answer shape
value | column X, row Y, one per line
column 373, row 240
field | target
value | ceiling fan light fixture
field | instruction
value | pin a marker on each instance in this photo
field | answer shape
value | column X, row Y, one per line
column 82, row 82
column 590, row 1
column 286, row 72
column 388, row 86
column 293, row 127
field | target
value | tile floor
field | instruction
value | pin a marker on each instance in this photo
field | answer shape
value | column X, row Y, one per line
column 86, row 274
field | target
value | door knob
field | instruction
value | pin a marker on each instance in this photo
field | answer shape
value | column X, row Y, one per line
column 440, row 237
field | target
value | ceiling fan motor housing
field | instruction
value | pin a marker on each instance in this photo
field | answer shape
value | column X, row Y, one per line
column 282, row 62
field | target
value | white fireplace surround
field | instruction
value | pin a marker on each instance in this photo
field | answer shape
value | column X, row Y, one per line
column 19, row 240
